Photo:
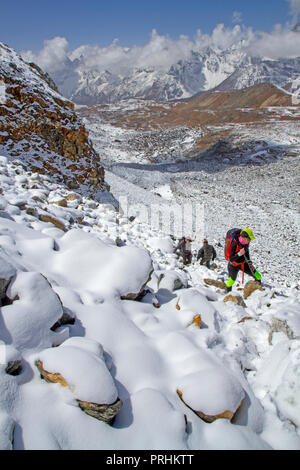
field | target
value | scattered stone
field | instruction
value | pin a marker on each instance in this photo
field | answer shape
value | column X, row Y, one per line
column 278, row 326
column 52, row 220
column 106, row 413
column 73, row 197
column 13, row 367
column 244, row 319
column 237, row 299
column 250, row 287
column 213, row 282
column 31, row 211
column 66, row 319
column 7, row 272
column 60, row 203
column 197, row 320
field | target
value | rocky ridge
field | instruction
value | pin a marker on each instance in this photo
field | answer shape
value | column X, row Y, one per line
column 40, row 128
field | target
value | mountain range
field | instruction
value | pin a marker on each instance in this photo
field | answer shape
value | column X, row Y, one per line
column 212, row 68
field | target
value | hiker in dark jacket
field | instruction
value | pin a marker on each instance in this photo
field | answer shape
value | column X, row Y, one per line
column 184, row 247
column 239, row 258
column 207, row 254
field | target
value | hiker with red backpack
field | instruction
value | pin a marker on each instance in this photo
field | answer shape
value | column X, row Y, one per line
column 237, row 243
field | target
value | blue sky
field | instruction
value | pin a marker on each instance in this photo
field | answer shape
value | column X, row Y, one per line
column 25, row 24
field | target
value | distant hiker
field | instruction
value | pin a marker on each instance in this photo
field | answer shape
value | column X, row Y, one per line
column 207, row 254
column 237, row 253
column 184, row 248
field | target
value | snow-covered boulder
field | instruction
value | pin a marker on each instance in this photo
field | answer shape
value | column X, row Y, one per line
column 163, row 244
column 191, row 299
column 172, row 280
column 79, row 365
column 35, row 308
column 212, row 393
column 90, row 264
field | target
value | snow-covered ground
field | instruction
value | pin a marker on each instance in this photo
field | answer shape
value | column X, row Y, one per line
column 58, row 250
column 255, row 185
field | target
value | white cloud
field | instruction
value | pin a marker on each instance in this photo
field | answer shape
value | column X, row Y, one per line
column 161, row 51
column 280, row 43
column 53, row 57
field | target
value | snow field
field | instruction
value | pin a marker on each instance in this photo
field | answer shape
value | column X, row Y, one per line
column 140, row 351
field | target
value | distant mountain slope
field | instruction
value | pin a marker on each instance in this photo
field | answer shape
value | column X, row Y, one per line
column 40, row 128
column 212, row 68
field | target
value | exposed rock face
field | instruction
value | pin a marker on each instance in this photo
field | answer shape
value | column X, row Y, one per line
column 40, row 127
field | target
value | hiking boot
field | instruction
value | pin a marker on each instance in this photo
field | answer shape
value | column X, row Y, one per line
column 228, row 289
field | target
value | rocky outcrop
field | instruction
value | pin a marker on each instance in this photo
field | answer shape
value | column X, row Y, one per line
column 41, row 128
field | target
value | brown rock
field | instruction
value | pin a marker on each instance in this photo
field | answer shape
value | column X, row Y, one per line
column 197, row 320
column 250, row 287
column 213, row 282
column 237, row 299
column 60, row 203
column 103, row 412
column 13, row 367
column 244, row 319
column 57, row 223
column 227, row 414
column 49, row 377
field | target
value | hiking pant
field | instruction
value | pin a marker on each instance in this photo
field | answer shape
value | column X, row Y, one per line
column 207, row 263
column 187, row 257
column 233, row 273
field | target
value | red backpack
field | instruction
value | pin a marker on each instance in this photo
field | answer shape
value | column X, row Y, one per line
column 228, row 241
